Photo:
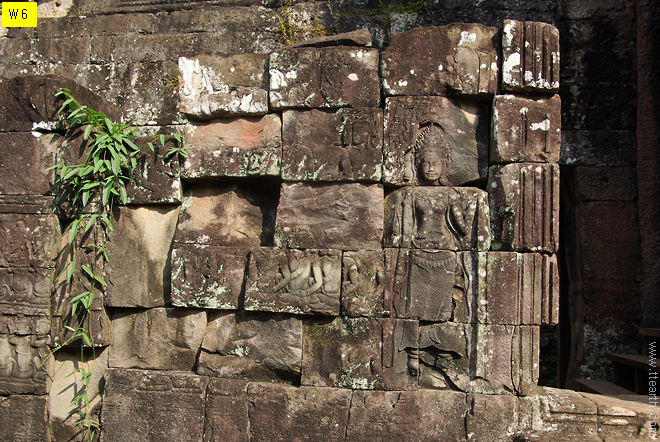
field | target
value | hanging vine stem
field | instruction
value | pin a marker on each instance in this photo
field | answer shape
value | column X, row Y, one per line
column 91, row 190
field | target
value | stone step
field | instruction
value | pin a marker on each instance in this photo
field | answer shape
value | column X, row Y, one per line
column 632, row 371
column 601, row 386
column 650, row 332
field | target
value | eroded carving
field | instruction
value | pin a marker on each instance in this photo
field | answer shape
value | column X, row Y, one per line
column 21, row 364
column 363, row 284
column 439, row 218
column 294, row 281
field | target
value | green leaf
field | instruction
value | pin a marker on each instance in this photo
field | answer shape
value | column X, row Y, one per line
column 124, row 195
column 87, row 270
column 69, row 272
column 74, row 230
column 91, row 222
column 85, row 198
column 88, row 130
column 162, row 140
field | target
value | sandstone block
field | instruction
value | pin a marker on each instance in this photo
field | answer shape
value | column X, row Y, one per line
column 420, row 416
column 605, row 183
column 208, row 276
column 492, row 418
column 253, row 346
column 442, row 218
column 521, row 289
column 25, row 325
column 530, row 57
column 434, row 141
column 28, row 240
column 342, row 146
column 234, row 147
column 487, row 359
column 23, row 364
column 155, row 178
column 138, row 268
column 361, row 353
column 25, row 293
column 363, row 284
column 227, row 215
column 147, row 405
column 24, row 160
column 218, row 85
column 360, row 37
column 157, row 339
column 294, row 281
column 324, row 78
column 431, row 285
column 281, row 413
column 525, row 207
column 526, row 130
column 226, row 412
column 348, row 216
column 463, row 61
column 26, row 204
column 23, row 418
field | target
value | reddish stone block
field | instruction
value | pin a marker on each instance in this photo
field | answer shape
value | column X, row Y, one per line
column 605, row 183
column 435, row 141
column 530, row 57
column 526, row 130
column 24, row 161
column 234, row 147
column 24, row 418
column 342, row 146
column 324, row 78
column 463, row 61
column 525, row 207
column 347, row 216
column 226, row 411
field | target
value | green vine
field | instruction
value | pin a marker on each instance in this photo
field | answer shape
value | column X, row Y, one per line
column 90, row 191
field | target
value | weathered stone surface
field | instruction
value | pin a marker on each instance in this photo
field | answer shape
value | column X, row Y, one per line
column 208, row 276
column 234, row 147
column 444, row 218
column 226, row 411
column 435, row 141
column 156, row 178
column 420, row 416
column 138, row 268
column 29, row 101
column 525, row 129
column 492, row 418
column 22, row 364
column 521, row 289
column 431, row 285
column 26, row 204
column 218, row 85
column 463, row 61
column 147, row 405
column 491, row 359
column 598, row 147
column 363, row 284
column 360, row 37
column 252, row 346
column 24, row 418
column 525, row 207
column 28, row 240
column 361, row 353
column 605, row 183
column 279, row 413
column 24, row 160
column 25, row 292
column 64, row 388
column 220, row 214
column 165, row 339
column 25, row 325
column 341, row 146
column 294, row 281
column 530, row 57
column 348, row 216
column 324, row 77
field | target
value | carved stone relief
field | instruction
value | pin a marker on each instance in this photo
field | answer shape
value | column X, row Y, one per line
column 22, row 369
column 294, row 281
column 322, row 146
column 363, row 284
column 28, row 240
column 435, row 141
column 441, row 218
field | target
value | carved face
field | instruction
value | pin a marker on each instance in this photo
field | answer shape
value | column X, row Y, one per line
column 430, row 166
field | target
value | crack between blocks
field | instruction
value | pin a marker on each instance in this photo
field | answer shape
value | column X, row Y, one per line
column 348, row 417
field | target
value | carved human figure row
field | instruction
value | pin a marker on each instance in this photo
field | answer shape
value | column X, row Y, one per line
column 420, row 140
column 464, row 62
column 505, row 288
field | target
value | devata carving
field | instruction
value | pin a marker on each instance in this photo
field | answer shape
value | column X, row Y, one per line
column 363, row 284
column 295, row 281
column 437, row 218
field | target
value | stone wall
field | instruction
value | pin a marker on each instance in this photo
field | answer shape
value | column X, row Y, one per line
column 350, row 219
